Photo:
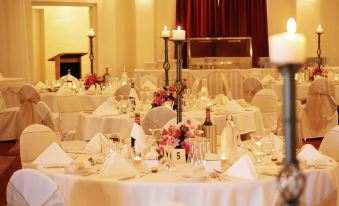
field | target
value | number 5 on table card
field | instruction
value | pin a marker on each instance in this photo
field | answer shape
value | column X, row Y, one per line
column 179, row 155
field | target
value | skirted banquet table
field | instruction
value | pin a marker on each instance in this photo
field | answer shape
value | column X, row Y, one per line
column 90, row 188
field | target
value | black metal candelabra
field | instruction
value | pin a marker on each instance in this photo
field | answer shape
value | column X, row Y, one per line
column 291, row 179
column 179, row 86
column 91, row 56
column 166, row 64
column 319, row 50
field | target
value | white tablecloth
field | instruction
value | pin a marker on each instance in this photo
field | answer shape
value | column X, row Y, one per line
column 172, row 186
column 88, row 125
column 235, row 78
column 9, row 87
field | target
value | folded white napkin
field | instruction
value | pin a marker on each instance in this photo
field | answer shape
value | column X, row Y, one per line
column 138, row 134
column 312, row 156
column 117, row 166
column 233, row 107
column 243, row 168
column 53, row 155
column 95, row 144
column 133, row 93
column 110, row 89
column 41, row 86
column 268, row 79
column 64, row 90
column 148, row 85
column 107, row 108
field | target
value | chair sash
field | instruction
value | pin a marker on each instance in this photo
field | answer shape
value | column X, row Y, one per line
column 45, row 114
column 251, row 86
column 28, row 97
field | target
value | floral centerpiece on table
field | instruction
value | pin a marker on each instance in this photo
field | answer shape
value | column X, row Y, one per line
column 91, row 79
column 176, row 135
column 163, row 95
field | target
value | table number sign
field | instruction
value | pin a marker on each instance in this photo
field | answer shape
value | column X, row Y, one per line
column 179, row 155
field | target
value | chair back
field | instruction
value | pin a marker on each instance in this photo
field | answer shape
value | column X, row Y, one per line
column 173, row 121
column 267, row 101
column 45, row 115
column 34, row 140
column 320, row 111
column 125, row 91
column 329, row 145
column 28, row 97
column 156, row 118
column 28, row 187
column 251, row 86
column 228, row 91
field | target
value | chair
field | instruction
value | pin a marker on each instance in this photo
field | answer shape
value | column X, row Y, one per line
column 156, row 118
column 69, row 108
column 173, row 121
column 329, row 145
column 28, row 187
column 125, row 91
column 46, row 116
column 11, row 120
column 228, row 91
column 280, row 122
column 34, row 140
column 319, row 114
column 251, row 86
column 266, row 100
column 28, row 97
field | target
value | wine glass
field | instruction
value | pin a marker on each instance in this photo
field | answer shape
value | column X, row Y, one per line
column 258, row 151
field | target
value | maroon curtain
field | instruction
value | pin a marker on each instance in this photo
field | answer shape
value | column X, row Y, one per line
column 229, row 18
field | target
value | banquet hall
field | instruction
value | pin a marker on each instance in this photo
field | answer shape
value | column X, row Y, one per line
column 169, row 102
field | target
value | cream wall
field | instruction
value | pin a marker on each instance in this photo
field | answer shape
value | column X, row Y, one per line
column 66, row 31
column 39, row 72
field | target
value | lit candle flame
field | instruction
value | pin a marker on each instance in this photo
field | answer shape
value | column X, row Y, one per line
column 165, row 28
column 291, row 25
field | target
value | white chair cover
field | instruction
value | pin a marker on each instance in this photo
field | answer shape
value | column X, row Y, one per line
column 320, row 111
column 28, row 97
column 267, row 101
column 2, row 103
column 280, row 123
column 251, row 86
column 228, row 91
column 173, row 121
column 125, row 91
column 11, row 124
column 34, row 140
column 45, row 115
column 156, row 118
column 329, row 145
column 28, row 187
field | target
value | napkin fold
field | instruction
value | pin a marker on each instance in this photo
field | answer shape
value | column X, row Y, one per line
column 138, row 134
column 40, row 86
column 243, row 168
column 53, row 155
column 117, row 166
column 148, row 85
column 312, row 156
column 268, row 79
column 64, row 90
column 110, row 89
column 107, row 108
column 94, row 146
column 233, row 107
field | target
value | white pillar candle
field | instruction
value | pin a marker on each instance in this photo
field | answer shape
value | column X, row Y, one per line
column 319, row 29
column 91, row 32
column 165, row 32
column 178, row 34
column 288, row 47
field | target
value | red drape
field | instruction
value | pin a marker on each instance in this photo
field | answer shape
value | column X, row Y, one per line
column 229, row 18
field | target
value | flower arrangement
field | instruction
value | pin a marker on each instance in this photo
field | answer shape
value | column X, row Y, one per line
column 318, row 71
column 91, row 79
column 165, row 94
column 176, row 135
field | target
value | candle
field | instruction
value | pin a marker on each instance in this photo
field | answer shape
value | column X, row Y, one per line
column 91, row 32
column 178, row 34
column 288, row 47
column 319, row 29
column 165, row 32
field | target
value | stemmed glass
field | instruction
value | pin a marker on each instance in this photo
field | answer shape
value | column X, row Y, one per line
column 258, row 151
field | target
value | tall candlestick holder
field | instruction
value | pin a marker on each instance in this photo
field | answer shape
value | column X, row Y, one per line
column 291, row 179
column 179, row 86
column 166, row 64
column 319, row 49
column 91, row 56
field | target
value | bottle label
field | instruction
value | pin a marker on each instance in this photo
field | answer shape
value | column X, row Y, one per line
column 137, row 119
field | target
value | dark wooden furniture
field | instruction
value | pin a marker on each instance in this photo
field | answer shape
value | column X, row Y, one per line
column 65, row 61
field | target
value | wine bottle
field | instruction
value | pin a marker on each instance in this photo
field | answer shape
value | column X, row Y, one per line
column 210, row 131
column 137, row 121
